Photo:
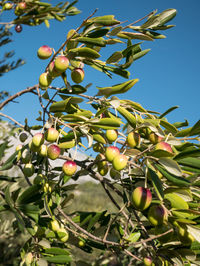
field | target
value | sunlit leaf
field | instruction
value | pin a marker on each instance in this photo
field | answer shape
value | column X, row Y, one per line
column 176, row 201
column 171, row 166
column 115, row 57
column 116, row 89
column 177, row 180
column 194, row 231
column 107, row 20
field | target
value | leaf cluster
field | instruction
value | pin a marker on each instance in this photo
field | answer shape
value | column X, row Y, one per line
column 163, row 157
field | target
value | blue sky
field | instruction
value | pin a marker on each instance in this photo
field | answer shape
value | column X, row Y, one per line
column 169, row 74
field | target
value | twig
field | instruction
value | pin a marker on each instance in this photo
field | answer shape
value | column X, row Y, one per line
column 40, row 97
column 74, row 33
column 5, row 23
column 130, row 254
column 116, row 204
column 11, row 98
column 86, row 232
column 144, row 230
column 111, row 222
column 152, row 238
column 135, row 22
column 12, row 119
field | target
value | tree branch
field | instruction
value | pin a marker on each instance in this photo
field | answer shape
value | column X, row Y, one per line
column 11, row 98
column 12, row 119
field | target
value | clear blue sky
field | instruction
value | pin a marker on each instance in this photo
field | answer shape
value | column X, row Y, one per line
column 169, row 74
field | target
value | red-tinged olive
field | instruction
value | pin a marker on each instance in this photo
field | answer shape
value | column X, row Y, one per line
column 61, row 63
column 141, row 198
column 157, row 215
column 53, row 152
column 44, row 52
column 69, row 167
column 111, row 152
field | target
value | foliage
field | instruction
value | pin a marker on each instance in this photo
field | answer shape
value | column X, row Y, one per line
column 149, row 152
column 4, row 39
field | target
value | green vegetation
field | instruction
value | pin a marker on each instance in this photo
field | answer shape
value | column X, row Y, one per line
column 143, row 207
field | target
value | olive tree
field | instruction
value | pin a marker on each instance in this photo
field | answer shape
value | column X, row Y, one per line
column 147, row 167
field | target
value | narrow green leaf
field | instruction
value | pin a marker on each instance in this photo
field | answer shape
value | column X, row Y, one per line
column 185, row 214
column 191, row 169
column 74, row 118
column 98, row 33
column 93, row 41
column 127, row 115
column 159, row 153
column 84, row 52
column 157, row 184
column 140, row 54
column 75, row 89
column 152, row 34
column 181, row 124
column 189, row 161
column 115, row 57
column 118, row 71
column 166, row 16
column 135, row 105
column 171, row 166
column 195, row 130
column 133, row 237
column 188, row 153
column 194, row 231
column 71, row 99
column 133, row 49
column 160, row 19
column 93, row 221
column 85, row 218
column 56, row 251
column 100, row 66
column 134, row 35
column 30, row 210
column 177, row 180
column 67, row 144
column 176, row 201
column 47, row 207
column 58, row 259
column 70, row 135
column 9, row 162
column 8, row 198
column 107, row 20
column 115, row 31
column 10, row 202
column 168, row 111
column 99, row 138
column 6, row 166
column 59, row 106
column 3, row 147
column 31, row 194
column 117, row 89
column 169, row 127
column 184, row 193
column 106, row 123
column 164, row 27
column 8, row 178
